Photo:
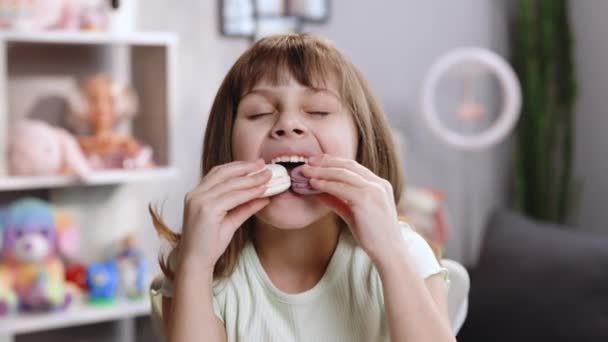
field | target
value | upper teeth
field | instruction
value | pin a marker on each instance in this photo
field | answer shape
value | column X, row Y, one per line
column 289, row 159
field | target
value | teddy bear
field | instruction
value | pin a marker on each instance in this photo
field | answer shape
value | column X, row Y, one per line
column 33, row 245
column 35, row 148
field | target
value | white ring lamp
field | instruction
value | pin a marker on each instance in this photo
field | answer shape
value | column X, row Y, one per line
column 511, row 104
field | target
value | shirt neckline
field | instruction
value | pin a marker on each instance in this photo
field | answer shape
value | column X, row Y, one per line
column 334, row 268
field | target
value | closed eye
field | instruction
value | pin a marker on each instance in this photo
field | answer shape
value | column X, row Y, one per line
column 258, row 115
column 318, row 113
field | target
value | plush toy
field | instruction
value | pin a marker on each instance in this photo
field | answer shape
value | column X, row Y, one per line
column 96, row 109
column 8, row 298
column 54, row 14
column 36, row 148
column 102, row 281
column 94, row 14
column 31, row 14
column 32, row 248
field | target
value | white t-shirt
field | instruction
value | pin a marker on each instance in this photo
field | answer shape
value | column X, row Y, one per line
column 347, row 304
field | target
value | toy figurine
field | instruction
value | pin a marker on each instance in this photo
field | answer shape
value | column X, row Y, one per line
column 32, row 247
column 133, row 270
column 102, row 280
column 96, row 109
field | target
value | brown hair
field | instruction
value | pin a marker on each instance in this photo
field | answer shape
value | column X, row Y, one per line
column 311, row 61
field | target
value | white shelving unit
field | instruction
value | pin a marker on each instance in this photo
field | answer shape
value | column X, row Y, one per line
column 80, row 315
column 90, row 38
column 97, row 178
column 36, row 71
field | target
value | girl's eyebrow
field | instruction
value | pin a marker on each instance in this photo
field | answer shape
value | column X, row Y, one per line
column 262, row 92
column 324, row 90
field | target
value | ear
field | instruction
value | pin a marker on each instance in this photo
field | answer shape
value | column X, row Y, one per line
column 72, row 154
column 67, row 233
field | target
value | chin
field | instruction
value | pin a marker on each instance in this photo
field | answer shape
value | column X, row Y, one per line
column 290, row 212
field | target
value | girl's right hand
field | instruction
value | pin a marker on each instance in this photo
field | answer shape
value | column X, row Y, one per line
column 226, row 197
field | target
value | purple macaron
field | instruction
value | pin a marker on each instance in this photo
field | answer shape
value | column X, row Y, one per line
column 301, row 184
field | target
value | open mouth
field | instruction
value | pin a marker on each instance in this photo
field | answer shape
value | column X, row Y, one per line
column 290, row 162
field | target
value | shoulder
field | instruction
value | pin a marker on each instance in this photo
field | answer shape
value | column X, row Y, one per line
column 423, row 256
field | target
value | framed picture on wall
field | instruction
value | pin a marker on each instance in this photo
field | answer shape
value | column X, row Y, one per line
column 309, row 10
column 273, row 25
column 254, row 19
column 270, row 8
column 237, row 18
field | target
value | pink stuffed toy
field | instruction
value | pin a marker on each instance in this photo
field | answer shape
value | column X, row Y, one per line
column 34, row 240
column 36, row 148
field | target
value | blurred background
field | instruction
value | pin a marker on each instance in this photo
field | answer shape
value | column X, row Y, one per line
column 103, row 105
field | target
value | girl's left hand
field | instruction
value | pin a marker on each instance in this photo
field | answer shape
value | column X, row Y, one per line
column 362, row 199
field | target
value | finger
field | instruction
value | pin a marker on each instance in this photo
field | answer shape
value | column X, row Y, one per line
column 241, row 213
column 337, row 174
column 240, row 183
column 343, row 191
column 231, row 200
column 326, row 160
column 224, row 172
column 338, row 206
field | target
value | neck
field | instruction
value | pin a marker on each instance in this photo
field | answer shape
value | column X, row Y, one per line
column 295, row 260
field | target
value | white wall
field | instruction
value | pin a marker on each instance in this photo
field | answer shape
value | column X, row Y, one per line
column 591, row 163
column 394, row 42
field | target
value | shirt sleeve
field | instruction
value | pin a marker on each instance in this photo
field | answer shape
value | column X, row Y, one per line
column 167, row 289
column 423, row 258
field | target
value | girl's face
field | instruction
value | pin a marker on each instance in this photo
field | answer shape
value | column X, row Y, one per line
column 289, row 119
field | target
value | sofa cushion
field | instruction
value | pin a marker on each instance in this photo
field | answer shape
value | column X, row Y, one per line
column 538, row 282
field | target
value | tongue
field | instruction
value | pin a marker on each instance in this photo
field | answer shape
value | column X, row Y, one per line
column 299, row 183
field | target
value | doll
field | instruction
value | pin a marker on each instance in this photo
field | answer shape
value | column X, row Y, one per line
column 96, row 109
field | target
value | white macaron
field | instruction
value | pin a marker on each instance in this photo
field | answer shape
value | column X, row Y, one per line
column 279, row 182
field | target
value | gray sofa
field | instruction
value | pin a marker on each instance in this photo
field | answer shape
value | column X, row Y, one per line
column 538, row 282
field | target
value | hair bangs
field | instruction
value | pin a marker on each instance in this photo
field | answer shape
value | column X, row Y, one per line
column 275, row 60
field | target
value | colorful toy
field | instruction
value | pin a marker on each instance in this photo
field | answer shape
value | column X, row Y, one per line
column 8, row 298
column 32, row 247
column 36, row 148
column 96, row 109
column 94, row 14
column 102, row 280
column 133, row 269
column 76, row 274
column 31, row 14
column 54, row 14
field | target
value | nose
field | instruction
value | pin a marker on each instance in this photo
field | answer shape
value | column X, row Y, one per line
column 288, row 126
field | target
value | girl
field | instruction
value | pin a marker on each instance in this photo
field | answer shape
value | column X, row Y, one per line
column 334, row 266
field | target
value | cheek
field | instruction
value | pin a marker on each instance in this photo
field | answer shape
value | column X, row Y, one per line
column 246, row 143
column 339, row 139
